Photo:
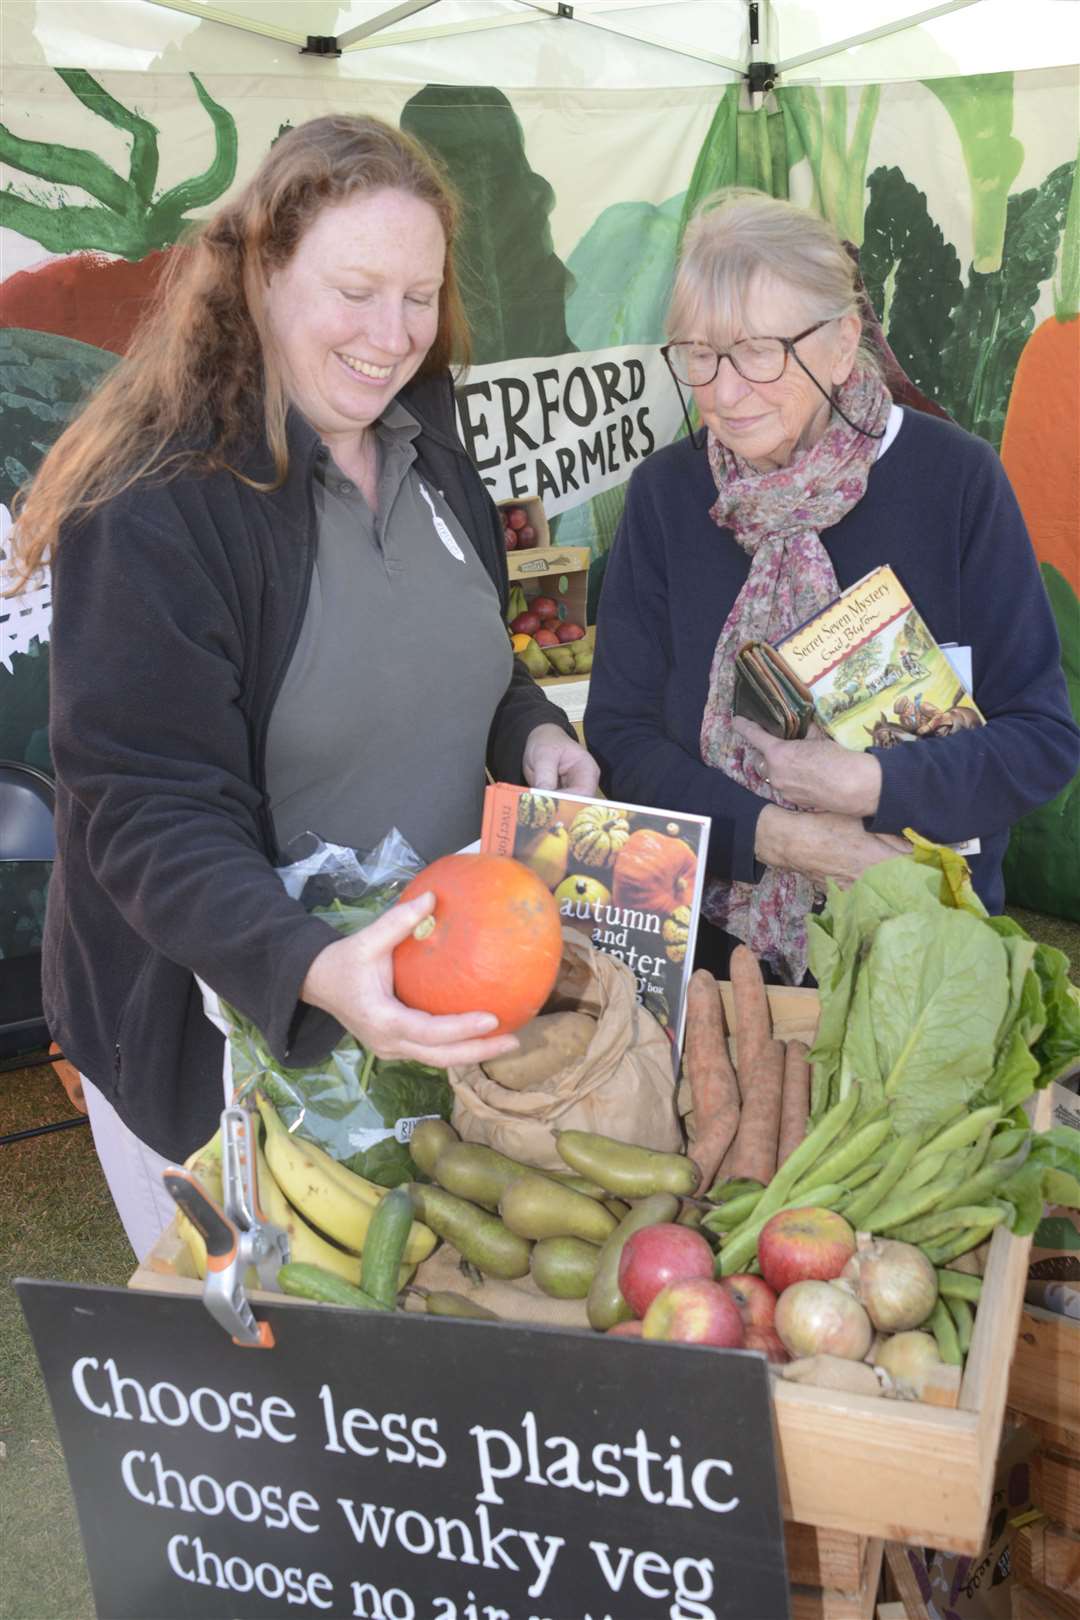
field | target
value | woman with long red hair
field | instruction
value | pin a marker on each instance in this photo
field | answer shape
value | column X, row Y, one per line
column 279, row 589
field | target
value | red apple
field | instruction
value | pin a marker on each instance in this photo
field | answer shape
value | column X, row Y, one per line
column 526, row 535
column 625, row 1330
column 546, row 606
column 517, row 517
column 768, row 1342
column 697, row 1311
column 803, row 1245
column 570, row 631
column 754, row 1299
column 546, row 637
column 525, row 624
column 510, row 539
column 657, row 1256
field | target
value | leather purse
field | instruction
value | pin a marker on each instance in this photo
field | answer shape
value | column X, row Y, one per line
column 767, row 692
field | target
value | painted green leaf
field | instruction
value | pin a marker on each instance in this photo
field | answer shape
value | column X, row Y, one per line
column 623, row 269
column 1042, row 862
column 125, row 217
column 996, row 316
column 761, row 153
column 981, row 108
column 1067, row 284
column 513, row 283
column 24, row 706
column 1057, row 1232
column 43, row 378
column 912, row 277
column 817, row 126
column 716, row 162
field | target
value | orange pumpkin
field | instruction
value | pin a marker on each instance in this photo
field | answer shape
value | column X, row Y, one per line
column 654, row 872
column 492, row 944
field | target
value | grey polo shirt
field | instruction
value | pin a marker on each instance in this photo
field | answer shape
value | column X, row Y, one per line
column 383, row 716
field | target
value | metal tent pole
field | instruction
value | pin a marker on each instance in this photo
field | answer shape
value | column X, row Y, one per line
column 898, row 27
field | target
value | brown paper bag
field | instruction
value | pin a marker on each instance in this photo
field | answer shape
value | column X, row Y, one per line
column 623, row 1086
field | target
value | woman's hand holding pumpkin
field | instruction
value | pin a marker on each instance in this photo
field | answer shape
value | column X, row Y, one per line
column 554, row 760
column 353, row 980
column 816, row 773
column 825, row 846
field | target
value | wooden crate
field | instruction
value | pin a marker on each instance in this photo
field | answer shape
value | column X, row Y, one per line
column 1047, row 1555
column 833, row 1576
column 1055, row 1488
column 830, row 1558
column 870, row 1468
column 1039, row 1603
column 1044, row 1382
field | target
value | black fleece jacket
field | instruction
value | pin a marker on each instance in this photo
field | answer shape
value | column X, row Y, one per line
column 176, row 608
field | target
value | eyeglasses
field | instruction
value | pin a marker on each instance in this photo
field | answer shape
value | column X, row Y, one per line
column 757, row 360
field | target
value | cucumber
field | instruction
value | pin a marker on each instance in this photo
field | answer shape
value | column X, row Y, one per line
column 306, row 1281
column 384, row 1247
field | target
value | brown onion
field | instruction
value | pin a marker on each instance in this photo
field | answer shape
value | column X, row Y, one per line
column 907, row 1358
column 894, row 1281
column 817, row 1318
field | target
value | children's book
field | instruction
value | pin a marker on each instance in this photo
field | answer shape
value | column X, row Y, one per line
column 865, row 667
column 628, row 877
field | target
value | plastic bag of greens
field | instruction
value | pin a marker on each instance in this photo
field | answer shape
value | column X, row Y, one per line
column 360, row 1108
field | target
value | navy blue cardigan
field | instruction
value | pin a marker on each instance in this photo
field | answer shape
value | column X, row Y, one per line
column 939, row 508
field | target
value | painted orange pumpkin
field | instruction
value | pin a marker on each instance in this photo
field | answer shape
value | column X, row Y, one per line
column 654, row 872
column 492, row 944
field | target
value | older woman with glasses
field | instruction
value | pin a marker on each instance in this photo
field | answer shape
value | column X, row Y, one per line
column 804, row 477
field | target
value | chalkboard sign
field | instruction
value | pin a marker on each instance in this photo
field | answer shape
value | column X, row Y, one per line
column 404, row 1467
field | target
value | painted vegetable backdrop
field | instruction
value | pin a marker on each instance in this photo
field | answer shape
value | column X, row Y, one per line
column 959, row 196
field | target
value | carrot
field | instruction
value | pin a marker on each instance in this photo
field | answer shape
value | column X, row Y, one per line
column 760, row 1071
column 1042, row 462
column 795, row 1104
column 714, row 1089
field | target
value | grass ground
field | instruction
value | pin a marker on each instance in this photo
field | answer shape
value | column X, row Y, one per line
column 57, row 1221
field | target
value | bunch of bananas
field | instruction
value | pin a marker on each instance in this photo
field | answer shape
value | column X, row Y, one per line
column 324, row 1207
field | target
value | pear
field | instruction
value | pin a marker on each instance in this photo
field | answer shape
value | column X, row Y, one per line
column 535, row 660
column 561, row 658
column 583, row 657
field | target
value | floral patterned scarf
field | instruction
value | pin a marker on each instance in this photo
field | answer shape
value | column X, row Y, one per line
column 777, row 517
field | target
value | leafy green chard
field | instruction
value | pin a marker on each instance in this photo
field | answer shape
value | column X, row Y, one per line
column 928, row 1001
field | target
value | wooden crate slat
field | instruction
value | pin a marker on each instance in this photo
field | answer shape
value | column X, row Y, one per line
column 1055, row 1488
column 1039, row 1603
column 817, row 1603
column 1045, row 1377
column 1050, row 1436
column 1047, row 1555
column 898, row 1563
column 818, row 1557
column 867, row 1466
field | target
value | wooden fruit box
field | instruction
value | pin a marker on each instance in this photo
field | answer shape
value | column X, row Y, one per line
column 902, row 1470
column 873, row 1468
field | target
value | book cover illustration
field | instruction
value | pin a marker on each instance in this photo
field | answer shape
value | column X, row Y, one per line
column 877, row 675
column 626, row 876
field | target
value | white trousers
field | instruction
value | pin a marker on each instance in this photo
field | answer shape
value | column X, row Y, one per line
column 133, row 1172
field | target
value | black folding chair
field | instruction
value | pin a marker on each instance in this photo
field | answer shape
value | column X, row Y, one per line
column 27, row 839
